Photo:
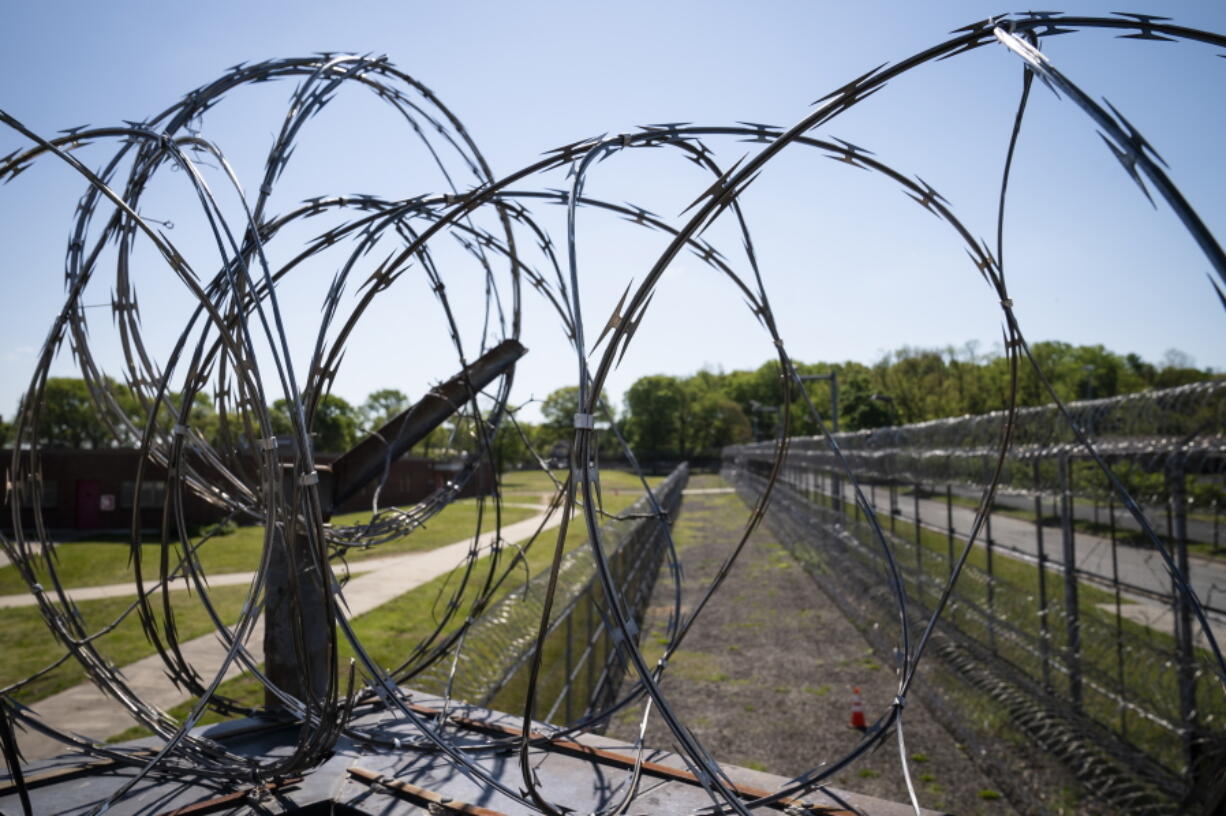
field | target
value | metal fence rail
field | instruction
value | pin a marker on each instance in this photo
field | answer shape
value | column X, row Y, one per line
column 1058, row 635
column 848, row 569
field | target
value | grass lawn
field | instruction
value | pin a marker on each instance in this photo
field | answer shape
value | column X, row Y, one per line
column 28, row 646
column 1116, row 657
column 519, row 483
column 105, row 560
column 391, row 632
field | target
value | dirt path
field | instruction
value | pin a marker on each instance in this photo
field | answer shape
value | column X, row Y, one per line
column 765, row 678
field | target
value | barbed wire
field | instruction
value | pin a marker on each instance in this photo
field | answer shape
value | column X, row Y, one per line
column 235, row 346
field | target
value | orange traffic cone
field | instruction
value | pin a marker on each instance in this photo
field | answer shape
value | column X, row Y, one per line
column 857, row 711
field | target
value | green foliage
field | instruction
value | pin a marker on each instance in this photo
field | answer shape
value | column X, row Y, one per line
column 222, row 528
column 103, row 560
column 674, row 417
column 558, row 429
column 69, row 418
column 333, row 424
column 678, row 417
column 510, row 450
column 381, row 406
column 559, row 409
column 654, row 425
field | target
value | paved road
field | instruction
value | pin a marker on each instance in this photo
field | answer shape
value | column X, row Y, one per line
column 1140, row 567
column 86, row 710
column 1199, row 529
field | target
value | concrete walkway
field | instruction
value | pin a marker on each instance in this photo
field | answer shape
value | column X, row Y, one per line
column 84, row 709
column 126, row 590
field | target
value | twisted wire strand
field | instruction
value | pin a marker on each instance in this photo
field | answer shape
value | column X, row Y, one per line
column 236, row 323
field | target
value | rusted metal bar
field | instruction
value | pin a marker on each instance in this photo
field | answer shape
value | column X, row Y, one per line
column 368, row 459
column 620, row 760
column 305, row 671
column 433, row 800
column 229, row 800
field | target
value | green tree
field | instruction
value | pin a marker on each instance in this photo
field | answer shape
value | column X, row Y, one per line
column 654, row 422
column 559, row 409
column 380, row 406
column 717, row 421
column 333, row 426
column 1178, row 369
column 509, row 448
column 670, row 416
column 69, row 418
column 203, row 417
column 861, row 408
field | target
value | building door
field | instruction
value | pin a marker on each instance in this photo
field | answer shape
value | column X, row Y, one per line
column 89, row 493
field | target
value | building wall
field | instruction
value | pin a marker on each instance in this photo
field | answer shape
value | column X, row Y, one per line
column 95, row 490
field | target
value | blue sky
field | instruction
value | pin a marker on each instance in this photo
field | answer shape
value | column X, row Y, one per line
column 853, row 268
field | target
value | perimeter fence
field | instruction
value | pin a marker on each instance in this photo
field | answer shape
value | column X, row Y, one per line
column 582, row 666
column 1063, row 611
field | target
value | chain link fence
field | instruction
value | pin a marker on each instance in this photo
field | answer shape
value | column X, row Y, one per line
column 1063, row 611
column 582, row 665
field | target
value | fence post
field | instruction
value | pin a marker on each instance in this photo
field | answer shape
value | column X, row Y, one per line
column 1215, row 526
column 991, row 587
column 296, row 608
column 568, row 685
column 893, row 504
column 308, row 679
column 1177, row 490
column 591, row 648
column 1044, row 632
column 1119, row 620
column 949, row 524
column 836, row 490
column 1072, row 613
column 919, row 540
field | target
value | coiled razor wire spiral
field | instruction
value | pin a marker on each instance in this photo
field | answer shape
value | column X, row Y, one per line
column 235, row 346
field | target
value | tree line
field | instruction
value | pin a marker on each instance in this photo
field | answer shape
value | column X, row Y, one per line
column 670, row 417
column 69, row 417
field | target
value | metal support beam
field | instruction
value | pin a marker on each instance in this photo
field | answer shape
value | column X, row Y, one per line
column 1044, row 630
column 370, row 458
column 1185, row 655
column 297, row 640
column 1072, row 612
